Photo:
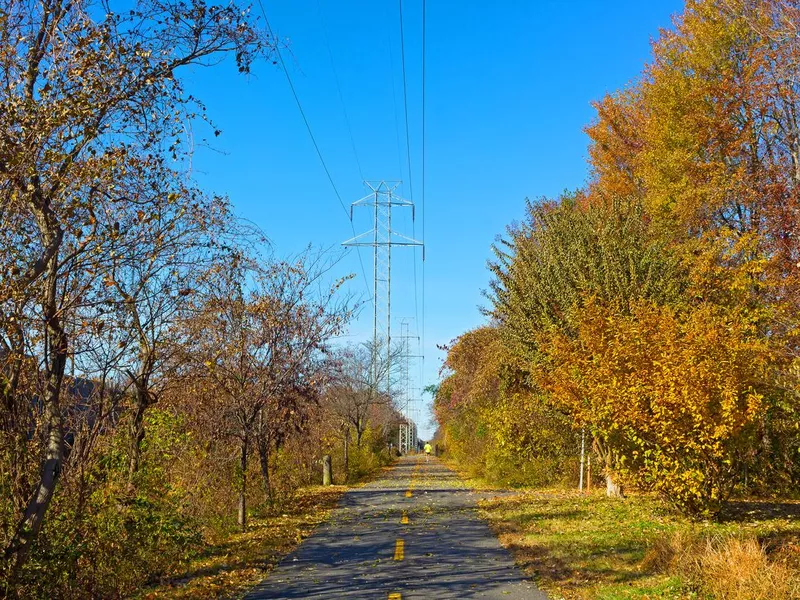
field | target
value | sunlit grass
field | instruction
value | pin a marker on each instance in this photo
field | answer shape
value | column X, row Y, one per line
column 579, row 546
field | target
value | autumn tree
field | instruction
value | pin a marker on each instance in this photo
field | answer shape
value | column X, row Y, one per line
column 256, row 338
column 91, row 100
column 658, row 305
column 286, row 414
column 677, row 394
column 357, row 385
column 707, row 139
column 492, row 417
column 163, row 261
column 567, row 253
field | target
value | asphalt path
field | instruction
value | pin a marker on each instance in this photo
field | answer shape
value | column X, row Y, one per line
column 413, row 533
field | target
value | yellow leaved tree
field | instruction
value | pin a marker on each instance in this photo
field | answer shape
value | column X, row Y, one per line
column 678, row 394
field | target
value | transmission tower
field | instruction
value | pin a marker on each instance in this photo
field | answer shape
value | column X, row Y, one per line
column 409, row 400
column 382, row 238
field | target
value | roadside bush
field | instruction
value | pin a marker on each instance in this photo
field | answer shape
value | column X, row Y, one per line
column 494, row 423
column 530, row 443
column 725, row 568
column 105, row 540
column 370, row 456
column 652, row 386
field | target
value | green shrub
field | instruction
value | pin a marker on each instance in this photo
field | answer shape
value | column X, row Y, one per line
column 101, row 539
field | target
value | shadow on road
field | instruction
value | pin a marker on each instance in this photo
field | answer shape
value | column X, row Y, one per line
column 449, row 552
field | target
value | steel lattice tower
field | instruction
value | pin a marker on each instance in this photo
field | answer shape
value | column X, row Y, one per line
column 382, row 238
column 410, row 398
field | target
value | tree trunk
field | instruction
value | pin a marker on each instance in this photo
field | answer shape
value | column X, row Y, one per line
column 613, row 489
column 142, row 401
column 29, row 525
column 243, row 486
column 359, row 433
column 264, row 443
column 346, row 454
column 327, row 471
column 263, row 455
column 583, row 459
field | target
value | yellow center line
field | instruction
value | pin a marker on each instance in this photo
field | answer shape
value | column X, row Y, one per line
column 414, row 474
column 404, row 518
column 399, row 550
column 395, row 596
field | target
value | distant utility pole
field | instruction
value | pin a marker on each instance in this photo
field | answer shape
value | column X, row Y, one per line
column 381, row 238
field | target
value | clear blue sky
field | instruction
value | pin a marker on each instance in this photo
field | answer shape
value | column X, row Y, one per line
column 509, row 86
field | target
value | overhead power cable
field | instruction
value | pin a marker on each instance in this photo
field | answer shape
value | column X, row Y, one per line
column 313, row 139
column 408, row 152
column 422, row 199
column 390, row 45
column 405, row 104
column 339, row 89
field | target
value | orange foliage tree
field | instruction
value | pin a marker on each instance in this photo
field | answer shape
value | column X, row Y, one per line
column 677, row 394
column 658, row 305
column 708, row 140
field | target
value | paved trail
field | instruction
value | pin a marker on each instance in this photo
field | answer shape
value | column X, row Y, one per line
column 414, row 533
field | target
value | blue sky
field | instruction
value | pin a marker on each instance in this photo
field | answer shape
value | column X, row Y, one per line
column 509, row 87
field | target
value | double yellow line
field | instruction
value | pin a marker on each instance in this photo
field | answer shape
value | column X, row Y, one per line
column 400, row 545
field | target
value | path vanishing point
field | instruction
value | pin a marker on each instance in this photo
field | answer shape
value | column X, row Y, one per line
column 412, row 534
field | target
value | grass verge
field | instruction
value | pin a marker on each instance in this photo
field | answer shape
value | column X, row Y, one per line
column 581, row 547
column 230, row 568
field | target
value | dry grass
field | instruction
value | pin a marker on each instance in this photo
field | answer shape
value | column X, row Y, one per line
column 740, row 569
column 735, row 568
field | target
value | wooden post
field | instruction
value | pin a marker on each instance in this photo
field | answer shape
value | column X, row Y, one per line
column 327, row 471
column 346, row 455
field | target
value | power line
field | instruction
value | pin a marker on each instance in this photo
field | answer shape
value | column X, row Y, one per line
column 311, row 135
column 302, row 112
column 422, row 203
column 408, row 151
column 405, row 104
column 339, row 89
column 422, row 200
column 390, row 41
